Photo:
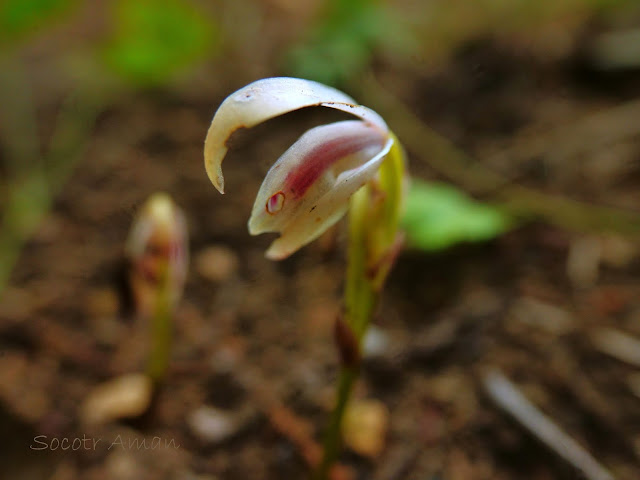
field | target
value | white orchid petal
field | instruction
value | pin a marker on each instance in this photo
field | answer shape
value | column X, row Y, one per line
column 265, row 99
column 299, row 234
column 328, row 209
column 309, row 169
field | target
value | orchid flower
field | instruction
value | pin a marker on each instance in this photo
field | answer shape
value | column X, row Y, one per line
column 356, row 165
column 308, row 188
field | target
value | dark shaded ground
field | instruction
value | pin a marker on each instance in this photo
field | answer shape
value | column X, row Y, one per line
column 449, row 317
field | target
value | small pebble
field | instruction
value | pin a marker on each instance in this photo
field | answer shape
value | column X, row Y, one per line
column 212, row 425
column 365, row 427
column 542, row 315
column 583, row 261
column 617, row 251
column 217, row 263
column 617, row 344
column 376, row 342
column 123, row 397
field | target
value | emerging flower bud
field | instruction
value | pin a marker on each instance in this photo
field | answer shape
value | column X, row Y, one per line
column 157, row 249
column 308, row 189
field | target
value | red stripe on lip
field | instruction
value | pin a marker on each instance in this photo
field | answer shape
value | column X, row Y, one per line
column 319, row 159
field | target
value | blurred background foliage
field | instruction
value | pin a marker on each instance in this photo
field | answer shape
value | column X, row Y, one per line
column 438, row 216
column 151, row 40
column 19, row 18
column 96, row 52
column 342, row 41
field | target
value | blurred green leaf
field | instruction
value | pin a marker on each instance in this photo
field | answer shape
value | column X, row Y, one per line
column 155, row 39
column 20, row 17
column 438, row 216
column 342, row 43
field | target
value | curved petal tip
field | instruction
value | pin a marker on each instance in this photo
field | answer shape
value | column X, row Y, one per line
column 214, row 153
column 265, row 99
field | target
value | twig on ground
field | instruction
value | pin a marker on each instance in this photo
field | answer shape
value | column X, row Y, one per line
column 509, row 399
column 448, row 160
column 588, row 133
column 296, row 429
column 617, row 344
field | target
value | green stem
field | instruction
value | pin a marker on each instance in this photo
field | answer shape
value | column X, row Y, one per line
column 373, row 226
column 359, row 295
column 161, row 330
column 348, row 376
column 360, row 299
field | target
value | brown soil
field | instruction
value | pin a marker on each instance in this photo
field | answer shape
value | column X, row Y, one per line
column 258, row 336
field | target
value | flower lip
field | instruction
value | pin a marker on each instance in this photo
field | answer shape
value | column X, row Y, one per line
column 328, row 209
column 309, row 169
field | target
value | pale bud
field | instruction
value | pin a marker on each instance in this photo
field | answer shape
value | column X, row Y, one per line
column 157, row 250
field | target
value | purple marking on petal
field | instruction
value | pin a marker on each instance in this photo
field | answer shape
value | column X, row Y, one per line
column 275, row 203
column 318, row 160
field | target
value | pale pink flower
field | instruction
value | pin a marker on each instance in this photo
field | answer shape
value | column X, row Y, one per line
column 307, row 190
